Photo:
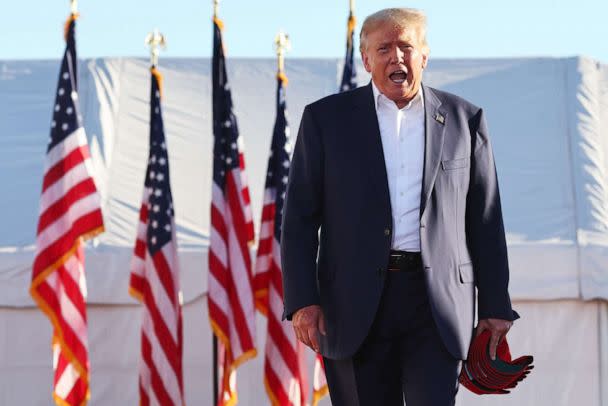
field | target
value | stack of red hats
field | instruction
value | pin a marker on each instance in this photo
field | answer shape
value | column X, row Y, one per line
column 482, row 375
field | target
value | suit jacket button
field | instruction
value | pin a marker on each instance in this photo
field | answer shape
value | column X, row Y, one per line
column 387, row 231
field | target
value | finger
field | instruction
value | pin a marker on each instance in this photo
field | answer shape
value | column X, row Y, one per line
column 322, row 324
column 302, row 335
column 313, row 339
column 296, row 331
column 493, row 345
column 295, row 323
column 480, row 329
column 305, row 338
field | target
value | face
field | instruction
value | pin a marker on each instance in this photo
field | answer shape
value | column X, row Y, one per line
column 395, row 57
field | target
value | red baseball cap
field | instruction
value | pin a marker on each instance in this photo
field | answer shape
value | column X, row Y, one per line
column 482, row 375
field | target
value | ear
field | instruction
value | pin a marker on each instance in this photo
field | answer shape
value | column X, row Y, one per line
column 366, row 62
column 425, row 59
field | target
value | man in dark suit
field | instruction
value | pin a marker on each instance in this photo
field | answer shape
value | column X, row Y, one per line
column 400, row 180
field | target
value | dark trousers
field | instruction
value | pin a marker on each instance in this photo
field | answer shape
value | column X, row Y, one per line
column 403, row 356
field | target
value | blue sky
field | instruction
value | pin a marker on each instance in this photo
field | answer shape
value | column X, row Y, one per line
column 464, row 28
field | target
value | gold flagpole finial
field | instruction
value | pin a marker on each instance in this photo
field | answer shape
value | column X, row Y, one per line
column 74, row 6
column 155, row 40
column 282, row 45
column 216, row 6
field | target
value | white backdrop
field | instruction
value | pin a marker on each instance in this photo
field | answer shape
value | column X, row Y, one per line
column 564, row 337
column 547, row 118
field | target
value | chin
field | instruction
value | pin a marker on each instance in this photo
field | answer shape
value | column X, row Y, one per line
column 401, row 90
column 396, row 88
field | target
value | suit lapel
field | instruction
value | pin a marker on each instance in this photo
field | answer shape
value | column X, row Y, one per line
column 435, row 122
column 365, row 126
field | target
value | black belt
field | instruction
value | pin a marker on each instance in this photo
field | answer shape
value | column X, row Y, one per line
column 404, row 261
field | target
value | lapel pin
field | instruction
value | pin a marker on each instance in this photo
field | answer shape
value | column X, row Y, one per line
column 439, row 118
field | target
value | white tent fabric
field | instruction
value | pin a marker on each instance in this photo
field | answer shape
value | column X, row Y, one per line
column 562, row 335
column 547, row 118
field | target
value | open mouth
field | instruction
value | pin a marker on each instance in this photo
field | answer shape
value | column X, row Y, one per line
column 398, row 76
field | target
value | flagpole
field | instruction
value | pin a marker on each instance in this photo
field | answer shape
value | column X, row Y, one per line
column 154, row 41
column 282, row 45
column 351, row 18
column 216, row 5
column 214, row 368
column 73, row 16
column 350, row 26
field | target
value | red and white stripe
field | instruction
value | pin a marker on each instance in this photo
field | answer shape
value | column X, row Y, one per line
column 230, row 295
column 155, row 283
column 264, row 257
column 285, row 359
column 70, row 211
column 319, row 383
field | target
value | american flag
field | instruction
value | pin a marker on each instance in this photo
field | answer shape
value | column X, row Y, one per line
column 70, row 212
column 349, row 82
column 319, row 384
column 285, row 362
column 349, row 74
column 230, row 296
column 155, row 274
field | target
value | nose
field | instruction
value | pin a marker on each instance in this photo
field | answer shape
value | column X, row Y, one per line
column 398, row 56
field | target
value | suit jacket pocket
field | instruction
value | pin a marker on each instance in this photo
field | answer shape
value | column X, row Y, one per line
column 466, row 273
column 452, row 164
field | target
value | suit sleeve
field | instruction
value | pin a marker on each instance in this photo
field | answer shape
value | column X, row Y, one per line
column 485, row 229
column 302, row 215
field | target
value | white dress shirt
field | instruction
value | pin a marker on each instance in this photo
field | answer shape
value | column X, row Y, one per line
column 402, row 134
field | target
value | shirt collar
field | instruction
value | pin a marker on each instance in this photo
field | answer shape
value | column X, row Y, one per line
column 379, row 97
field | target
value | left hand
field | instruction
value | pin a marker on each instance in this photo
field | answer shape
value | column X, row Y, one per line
column 498, row 328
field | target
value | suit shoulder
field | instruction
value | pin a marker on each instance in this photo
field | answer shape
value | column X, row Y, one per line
column 451, row 100
column 335, row 101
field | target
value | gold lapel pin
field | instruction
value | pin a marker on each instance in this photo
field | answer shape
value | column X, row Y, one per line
column 439, row 118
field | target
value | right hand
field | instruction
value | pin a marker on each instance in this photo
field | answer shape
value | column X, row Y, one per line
column 498, row 328
column 307, row 323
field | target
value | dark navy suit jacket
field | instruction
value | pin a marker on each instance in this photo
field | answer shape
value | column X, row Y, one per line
column 338, row 186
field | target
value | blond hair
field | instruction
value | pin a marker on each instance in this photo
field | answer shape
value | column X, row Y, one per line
column 399, row 18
